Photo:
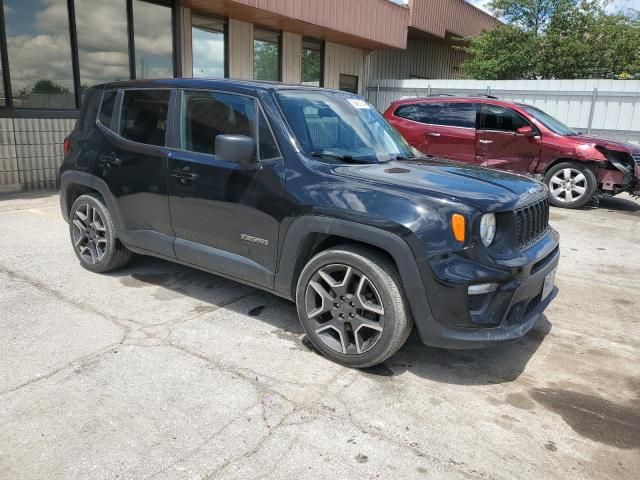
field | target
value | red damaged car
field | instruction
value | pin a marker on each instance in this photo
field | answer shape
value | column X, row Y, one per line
column 519, row 138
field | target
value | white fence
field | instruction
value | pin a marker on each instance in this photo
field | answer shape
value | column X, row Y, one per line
column 607, row 108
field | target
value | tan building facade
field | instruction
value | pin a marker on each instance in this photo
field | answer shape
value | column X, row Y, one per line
column 51, row 51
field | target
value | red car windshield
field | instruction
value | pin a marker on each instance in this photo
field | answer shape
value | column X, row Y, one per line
column 548, row 121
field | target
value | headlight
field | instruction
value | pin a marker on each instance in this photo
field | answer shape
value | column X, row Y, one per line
column 488, row 228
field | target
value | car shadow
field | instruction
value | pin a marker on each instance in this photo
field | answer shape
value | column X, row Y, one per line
column 619, row 204
column 500, row 364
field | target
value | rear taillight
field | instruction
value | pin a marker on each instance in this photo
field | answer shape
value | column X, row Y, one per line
column 66, row 146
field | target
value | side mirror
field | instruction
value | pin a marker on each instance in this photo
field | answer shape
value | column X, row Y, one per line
column 526, row 131
column 236, row 148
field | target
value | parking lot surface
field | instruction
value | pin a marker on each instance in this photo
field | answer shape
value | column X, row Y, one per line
column 161, row 371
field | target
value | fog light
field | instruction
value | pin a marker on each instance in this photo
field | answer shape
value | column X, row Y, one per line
column 482, row 288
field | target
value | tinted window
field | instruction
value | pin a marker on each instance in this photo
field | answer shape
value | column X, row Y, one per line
column 424, row 113
column 144, row 116
column 266, row 143
column 205, row 115
column 152, row 28
column 89, row 110
column 500, row 118
column 106, row 109
column 348, row 83
column 311, row 63
column 266, row 55
column 458, row 115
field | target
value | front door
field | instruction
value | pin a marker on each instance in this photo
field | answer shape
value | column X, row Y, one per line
column 225, row 215
column 133, row 164
column 500, row 146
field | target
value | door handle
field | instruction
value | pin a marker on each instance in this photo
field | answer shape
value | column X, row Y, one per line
column 433, row 134
column 184, row 176
column 485, row 141
column 111, row 159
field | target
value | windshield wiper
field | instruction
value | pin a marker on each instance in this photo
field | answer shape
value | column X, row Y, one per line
column 342, row 158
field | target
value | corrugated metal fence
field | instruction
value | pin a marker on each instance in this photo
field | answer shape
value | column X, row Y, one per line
column 608, row 108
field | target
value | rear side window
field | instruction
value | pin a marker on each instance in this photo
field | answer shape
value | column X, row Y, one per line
column 494, row 117
column 205, row 115
column 458, row 115
column 107, row 107
column 144, row 116
column 423, row 113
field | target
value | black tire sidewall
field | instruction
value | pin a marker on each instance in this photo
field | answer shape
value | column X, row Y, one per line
column 382, row 282
column 111, row 252
column 591, row 184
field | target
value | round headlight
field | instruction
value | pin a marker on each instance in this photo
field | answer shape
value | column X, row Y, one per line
column 488, row 228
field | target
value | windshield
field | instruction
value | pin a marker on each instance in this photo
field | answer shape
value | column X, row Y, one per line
column 548, row 121
column 341, row 126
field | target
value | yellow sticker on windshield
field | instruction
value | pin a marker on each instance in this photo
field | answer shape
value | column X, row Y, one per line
column 356, row 102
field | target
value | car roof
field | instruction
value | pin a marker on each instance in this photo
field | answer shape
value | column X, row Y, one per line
column 237, row 85
column 454, row 99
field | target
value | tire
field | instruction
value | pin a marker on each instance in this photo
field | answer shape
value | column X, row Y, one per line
column 93, row 236
column 580, row 191
column 375, row 320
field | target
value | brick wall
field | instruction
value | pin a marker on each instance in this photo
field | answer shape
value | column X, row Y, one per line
column 31, row 152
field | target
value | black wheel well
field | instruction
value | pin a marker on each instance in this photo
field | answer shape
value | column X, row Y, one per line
column 318, row 242
column 75, row 190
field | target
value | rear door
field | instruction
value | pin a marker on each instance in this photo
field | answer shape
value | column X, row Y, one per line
column 225, row 215
column 133, row 164
column 499, row 146
column 454, row 136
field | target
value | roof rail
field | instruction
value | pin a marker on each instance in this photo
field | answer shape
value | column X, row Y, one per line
column 441, row 95
column 483, row 95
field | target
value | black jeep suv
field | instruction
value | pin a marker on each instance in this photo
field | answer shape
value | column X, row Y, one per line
column 309, row 194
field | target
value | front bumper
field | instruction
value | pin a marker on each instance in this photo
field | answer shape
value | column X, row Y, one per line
column 457, row 320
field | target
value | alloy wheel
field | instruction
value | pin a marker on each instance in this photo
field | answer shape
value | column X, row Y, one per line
column 568, row 185
column 345, row 309
column 89, row 233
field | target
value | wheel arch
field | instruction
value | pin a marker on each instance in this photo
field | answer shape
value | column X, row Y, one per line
column 310, row 234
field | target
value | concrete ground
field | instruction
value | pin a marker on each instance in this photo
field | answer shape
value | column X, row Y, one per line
column 161, row 371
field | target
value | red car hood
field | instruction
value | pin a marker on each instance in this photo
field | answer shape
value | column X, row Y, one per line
column 606, row 143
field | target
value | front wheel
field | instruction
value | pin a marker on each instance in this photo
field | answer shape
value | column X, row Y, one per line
column 351, row 306
column 571, row 185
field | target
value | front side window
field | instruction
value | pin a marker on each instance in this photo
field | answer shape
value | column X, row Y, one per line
column 458, row 115
column 144, row 116
column 153, row 28
column 208, row 47
column 340, row 126
column 311, row 63
column 266, row 55
column 494, row 117
column 420, row 112
column 205, row 115
column 39, row 53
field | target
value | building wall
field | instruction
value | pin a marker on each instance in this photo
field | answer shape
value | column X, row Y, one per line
column 423, row 58
column 342, row 59
column 240, row 49
column 291, row 57
column 31, row 152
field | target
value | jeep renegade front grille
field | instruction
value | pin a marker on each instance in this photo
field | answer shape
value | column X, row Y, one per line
column 532, row 222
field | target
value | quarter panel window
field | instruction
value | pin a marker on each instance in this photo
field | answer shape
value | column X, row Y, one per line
column 458, row 115
column 494, row 117
column 144, row 116
column 107, row 107
column 205, row 115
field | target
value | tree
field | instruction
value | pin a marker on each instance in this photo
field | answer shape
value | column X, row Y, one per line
column 556, row 39
column 48, row 86
column 265, row 61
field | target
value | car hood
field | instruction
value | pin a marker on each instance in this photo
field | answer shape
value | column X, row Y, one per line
column 605, row 142
column 483, row 188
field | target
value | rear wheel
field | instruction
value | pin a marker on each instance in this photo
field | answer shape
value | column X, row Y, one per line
column 571, row 185
column 351, row 306
column 93, row 236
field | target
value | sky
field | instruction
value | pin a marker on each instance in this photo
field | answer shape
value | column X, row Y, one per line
column 616, row 5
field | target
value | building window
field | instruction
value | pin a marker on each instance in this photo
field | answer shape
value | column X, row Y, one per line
column 39, row 53
column 266, row 55
column 348, row 83
column 103, row 49
column 153, row 40
column 208, row 46
column 311, row 63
